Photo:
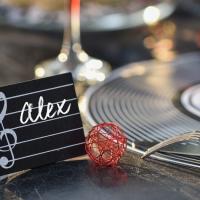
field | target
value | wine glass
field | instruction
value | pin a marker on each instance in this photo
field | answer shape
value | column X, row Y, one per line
column 72, row 58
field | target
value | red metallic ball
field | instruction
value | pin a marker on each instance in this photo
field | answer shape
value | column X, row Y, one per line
column 105, row 144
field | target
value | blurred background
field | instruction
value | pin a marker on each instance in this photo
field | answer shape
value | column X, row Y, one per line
column 119, row 32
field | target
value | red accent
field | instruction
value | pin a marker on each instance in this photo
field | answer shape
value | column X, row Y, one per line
column 75, row 7
column 105, row 144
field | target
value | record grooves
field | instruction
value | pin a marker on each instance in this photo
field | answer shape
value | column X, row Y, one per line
column 178, row 104
column 140, row 97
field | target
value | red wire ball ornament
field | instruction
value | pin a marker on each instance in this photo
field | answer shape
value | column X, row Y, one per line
column 105, row 144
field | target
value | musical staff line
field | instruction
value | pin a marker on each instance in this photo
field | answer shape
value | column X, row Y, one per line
column 38, row 91
column 45, row 152
column 46, row 136
column 67, row 100
column 47, row 120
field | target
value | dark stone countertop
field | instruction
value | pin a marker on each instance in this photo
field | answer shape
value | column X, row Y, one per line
column 132, row 179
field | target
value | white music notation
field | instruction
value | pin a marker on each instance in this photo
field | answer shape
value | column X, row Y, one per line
column 9, row 134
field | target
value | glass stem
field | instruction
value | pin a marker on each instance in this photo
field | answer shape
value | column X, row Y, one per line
column 71, row 40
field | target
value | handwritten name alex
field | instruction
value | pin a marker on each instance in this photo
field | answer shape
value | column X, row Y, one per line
column 52, row 110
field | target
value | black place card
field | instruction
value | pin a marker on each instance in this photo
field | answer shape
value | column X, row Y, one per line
column 40, row 123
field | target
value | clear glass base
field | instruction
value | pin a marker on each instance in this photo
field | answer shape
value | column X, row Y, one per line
column 91, row 71
column 50, row 67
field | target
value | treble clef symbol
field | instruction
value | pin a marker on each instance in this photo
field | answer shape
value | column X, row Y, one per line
column 8, row 134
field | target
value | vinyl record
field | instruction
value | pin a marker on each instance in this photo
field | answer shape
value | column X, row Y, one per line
column 152, row 101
